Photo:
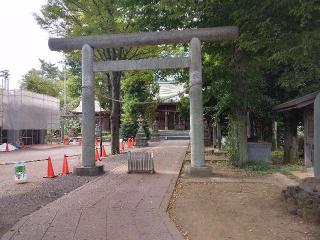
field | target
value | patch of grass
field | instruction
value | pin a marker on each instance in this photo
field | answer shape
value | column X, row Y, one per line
column 263, row 168
column 258, row 167
column 277, row 153
column 287, row 169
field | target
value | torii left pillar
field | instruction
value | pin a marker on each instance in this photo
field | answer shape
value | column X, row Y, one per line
column 88, row 165
column 197, row 167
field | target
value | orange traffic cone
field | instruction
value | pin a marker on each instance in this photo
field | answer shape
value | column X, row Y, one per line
column 104, row 153
column 65, row 167
column 97, row 155
column 122, row 147
column 50, row 169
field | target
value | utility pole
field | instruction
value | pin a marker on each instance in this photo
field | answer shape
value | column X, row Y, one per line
column 4, row 88
column 64, row 111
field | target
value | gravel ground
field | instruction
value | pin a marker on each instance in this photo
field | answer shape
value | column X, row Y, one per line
column 18, row 200
column 13, row 207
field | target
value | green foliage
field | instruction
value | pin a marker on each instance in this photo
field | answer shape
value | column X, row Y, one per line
column 255, row 166
column 74, row 127
column 70, row 18
column 128, row 129
column 263, row 168
column 288, row 169
column 277, row 153
column 275, row 57
column 50, row 70
column 139, row 91
column 184, row 107
column 35, row 81
column 278, row 46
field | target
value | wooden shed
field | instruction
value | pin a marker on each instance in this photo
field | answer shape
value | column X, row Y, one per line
column 306, row 105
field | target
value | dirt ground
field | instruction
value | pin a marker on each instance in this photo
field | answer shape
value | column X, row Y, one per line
column 238, row 205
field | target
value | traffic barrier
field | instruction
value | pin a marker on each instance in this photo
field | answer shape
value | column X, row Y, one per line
column 50, row 172
column 35, row 160
column 140, row 162
column 97, row 155
column 65, row 167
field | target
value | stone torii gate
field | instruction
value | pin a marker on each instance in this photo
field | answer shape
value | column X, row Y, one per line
column 193, row 62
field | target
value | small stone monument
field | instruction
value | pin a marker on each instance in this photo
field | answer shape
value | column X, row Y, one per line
column 141, row 138
column 155, row 135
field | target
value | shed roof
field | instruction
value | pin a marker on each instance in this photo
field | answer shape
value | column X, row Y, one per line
column 169, row 92
column 98, row 109
column 296, row 103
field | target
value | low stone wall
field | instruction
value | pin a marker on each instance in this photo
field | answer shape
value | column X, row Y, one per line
column 259, row 151
column 304, row 199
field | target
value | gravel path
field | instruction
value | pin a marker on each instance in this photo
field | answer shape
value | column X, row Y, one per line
column 18, row 200
column 116, row 205
column 13, row 207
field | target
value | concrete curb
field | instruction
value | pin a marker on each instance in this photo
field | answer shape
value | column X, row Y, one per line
column 171, row 226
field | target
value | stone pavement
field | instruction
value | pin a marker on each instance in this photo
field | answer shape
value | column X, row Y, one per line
column 116, row 205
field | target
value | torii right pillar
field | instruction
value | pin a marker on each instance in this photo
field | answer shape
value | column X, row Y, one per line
column 197, row 167
column 316, row 139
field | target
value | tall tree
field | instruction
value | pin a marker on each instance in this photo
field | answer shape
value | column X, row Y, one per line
column 139, row 92
column 34, row 81
column 278, row 42
column 87, row 17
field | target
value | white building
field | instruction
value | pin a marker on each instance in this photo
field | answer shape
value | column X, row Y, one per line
column 26, row 116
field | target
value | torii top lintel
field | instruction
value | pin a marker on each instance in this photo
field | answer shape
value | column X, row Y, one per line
column 144, row 38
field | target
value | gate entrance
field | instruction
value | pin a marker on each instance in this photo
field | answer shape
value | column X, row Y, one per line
column 193, row 62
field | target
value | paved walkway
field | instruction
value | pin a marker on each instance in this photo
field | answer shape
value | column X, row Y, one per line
column 116, row 205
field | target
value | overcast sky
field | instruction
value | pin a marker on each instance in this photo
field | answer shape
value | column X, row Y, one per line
column 22, row 41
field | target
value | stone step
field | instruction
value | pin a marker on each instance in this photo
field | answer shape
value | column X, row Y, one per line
column 174, row 137
column 174, row 132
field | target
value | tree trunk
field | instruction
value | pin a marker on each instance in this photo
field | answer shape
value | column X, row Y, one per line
column 290, row 143
column 240, row 111
column 274, row 135
column 115, row 111
column 239, row 142
column 242, row 139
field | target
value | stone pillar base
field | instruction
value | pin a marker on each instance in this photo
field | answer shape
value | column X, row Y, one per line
column 205, row 171
column 155, row 137
column 141, row 139
column 88, row 171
